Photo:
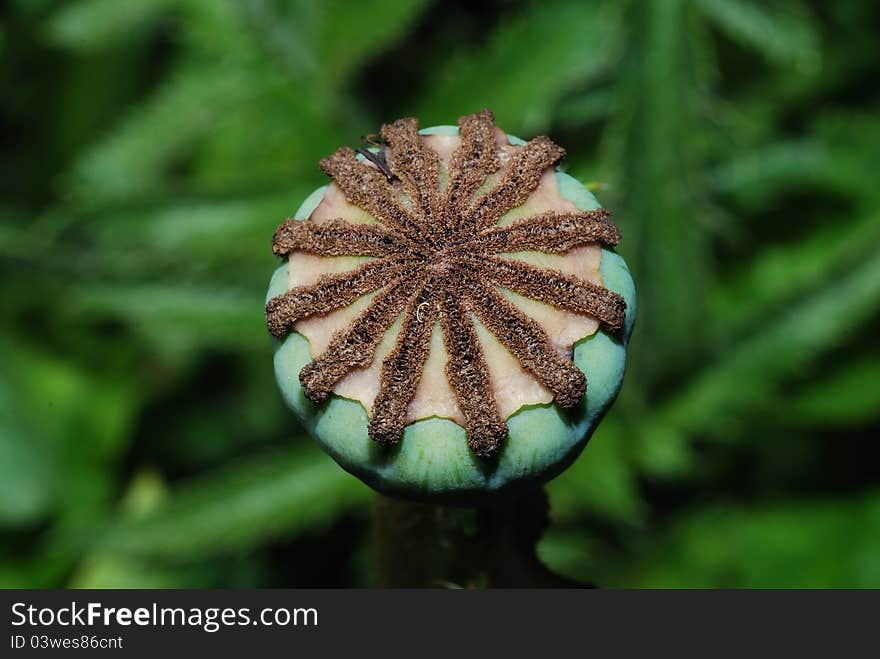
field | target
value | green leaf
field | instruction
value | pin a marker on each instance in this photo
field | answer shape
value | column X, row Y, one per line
column 25, row 467
column 783, row 32
column 218, row 241
column 574, row 554
column 654, row 154
column 527, row 64
column 369, row 28
column 830, row 543
column 601, row 481
column 136, row 157
column 178, row 317
column 62, row 429
column 102, row 569
column 92, row 24
column 248, row 503
column 778, row 273
column 580, row 109
column 748, row 375
column 848, row 396
column 770, row 168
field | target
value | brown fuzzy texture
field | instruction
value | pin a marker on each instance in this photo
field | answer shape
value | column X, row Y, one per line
column 436, row 263
column 355, row 346
column 331, row 292
column 417, row 167
column 335, row 238
column 552, row 232
column 528, row 342
column 521, row 177
column 470, row 165
column 366, row 187
column 555, row 288
column 402, row 369
column 468, row 376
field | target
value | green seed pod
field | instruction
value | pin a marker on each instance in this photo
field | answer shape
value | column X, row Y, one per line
column 451, row 317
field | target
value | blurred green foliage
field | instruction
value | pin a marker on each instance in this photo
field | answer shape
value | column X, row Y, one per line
column 151, row 146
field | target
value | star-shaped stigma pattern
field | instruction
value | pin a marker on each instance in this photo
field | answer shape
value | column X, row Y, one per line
column 437, row 256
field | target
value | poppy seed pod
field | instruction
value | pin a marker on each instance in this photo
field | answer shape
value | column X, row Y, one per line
column 451, row 318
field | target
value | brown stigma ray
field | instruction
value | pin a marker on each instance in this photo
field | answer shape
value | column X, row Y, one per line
column 468, row 375
column 417, row 167
column 552, row 232
column 402, row 369
column 521, row 178
column 526, row 340
column 555, row 288
column 355, row 346
column 471, row 163
column 331, row 292
column 366, row 187
column 437, row 258
column 335, row 238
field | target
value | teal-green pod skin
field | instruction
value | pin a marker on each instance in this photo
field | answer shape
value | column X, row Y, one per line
column 433, row 461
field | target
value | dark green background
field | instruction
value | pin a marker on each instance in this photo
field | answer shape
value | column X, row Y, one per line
column 151, row 146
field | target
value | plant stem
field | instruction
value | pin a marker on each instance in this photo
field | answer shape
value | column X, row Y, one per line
column 424, row 545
